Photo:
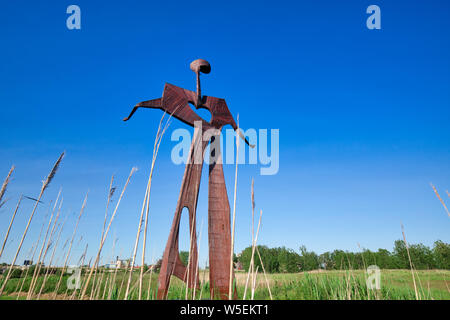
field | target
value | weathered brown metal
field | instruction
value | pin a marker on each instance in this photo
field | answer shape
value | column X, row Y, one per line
column 175, row 101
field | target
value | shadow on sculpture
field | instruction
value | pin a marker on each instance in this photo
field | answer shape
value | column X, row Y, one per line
column 175, row 101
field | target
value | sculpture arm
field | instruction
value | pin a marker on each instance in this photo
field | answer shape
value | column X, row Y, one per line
column 153, row 104
column 240, row 134
column 221, row 115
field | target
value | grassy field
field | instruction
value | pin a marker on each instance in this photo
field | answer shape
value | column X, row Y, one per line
column 328, row 285
column 112, row 284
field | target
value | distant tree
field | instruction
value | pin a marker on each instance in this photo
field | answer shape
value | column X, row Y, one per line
column 184, row 256
column 308, row 260
column 400, row 255
column 246, row 256
column 157, row 266
column 384, row 259
column 441, row 253
column 326, row 261
column 422, row 256
column 288, row 260
column 282, row 259
column 268, row 257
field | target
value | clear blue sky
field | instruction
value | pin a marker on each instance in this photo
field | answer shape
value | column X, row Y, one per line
column 363, row 115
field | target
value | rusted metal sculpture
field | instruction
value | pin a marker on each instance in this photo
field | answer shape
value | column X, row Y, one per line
column 175, row 101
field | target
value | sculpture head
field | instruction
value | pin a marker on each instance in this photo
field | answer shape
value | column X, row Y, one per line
column 200, row 65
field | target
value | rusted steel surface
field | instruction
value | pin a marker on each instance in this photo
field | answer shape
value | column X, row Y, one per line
column 219, row 236
column 171, row 263
column 175, row 101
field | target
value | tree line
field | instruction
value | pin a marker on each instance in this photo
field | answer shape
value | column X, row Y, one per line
column 281, row 259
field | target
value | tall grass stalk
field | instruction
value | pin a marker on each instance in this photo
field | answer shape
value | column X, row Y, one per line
column 158, row 139
column 440, row 199
column 410, row 262
column 5, row 185
column 150, row 280
column 38, row 266
column 264, row 271
column 80, row 263
column 254, row 283
column 133, row 170
column 197, row 266
column 52, row 257
column 113, row 282
column 203, row 281
column 99, row 285
column 252, row 265
column 110, row 195
column 45, row 184
column 70, row 244
column 186, row 273
column 33, row 250
column 145, row 208
column 253, row 255
column 10, row 225
column 191, row 233
column 230, row 284
column 133, row 257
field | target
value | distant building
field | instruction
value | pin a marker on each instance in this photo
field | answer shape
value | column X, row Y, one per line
column 118, row 264
column 122, row 263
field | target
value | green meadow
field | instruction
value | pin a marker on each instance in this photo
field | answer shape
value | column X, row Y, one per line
column 314, row 285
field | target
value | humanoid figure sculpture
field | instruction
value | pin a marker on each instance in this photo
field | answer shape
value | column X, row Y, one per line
column 175, row 101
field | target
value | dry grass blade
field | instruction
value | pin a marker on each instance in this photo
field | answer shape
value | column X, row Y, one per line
column 44, row 186
column 50, row 241
column 150, row 281
column 253, row 255
column 38, row 264
column 133, row 258
column 110, row 195
column 5, row 185
column 33, row 249
column 52, row 257
column 145, row 208
column 71, row 243
column 410, row 262
column 254, row 284
column 133, row 170
column 230, row 284
column 196, row 267
column 265, row 275
column 191, row 248
column 252, row 265
column 158, row 139
column 440, row 199
column 10, row 225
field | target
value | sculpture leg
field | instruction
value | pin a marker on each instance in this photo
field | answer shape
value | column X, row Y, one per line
column 171, row 262
column 218, row 228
